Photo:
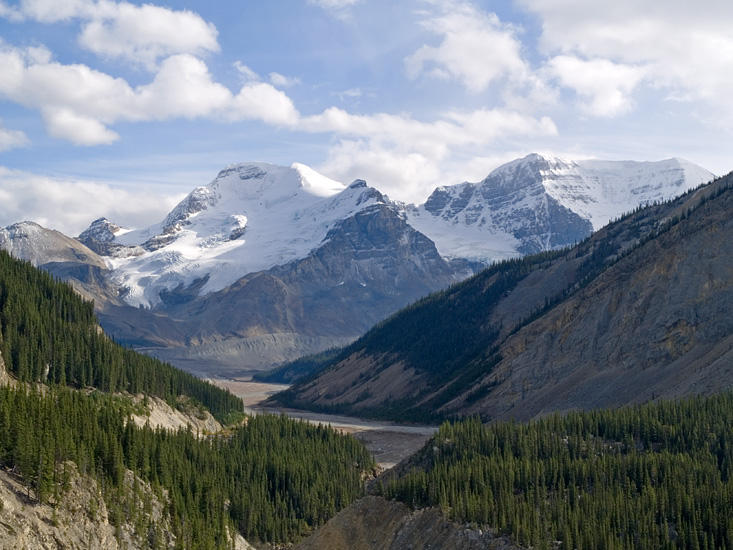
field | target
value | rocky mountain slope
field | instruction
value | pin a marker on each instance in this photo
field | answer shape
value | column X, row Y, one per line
column 374, row 523
column 268, row 263
column 80, row 519
column 636, row 312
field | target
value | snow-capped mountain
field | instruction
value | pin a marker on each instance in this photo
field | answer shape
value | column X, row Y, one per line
column 251, row 217
column 266, row 263
column 538, row 203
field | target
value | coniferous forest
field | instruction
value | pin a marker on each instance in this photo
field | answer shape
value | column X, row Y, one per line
column 652, row 476
column 49, row 334
column 271, row 479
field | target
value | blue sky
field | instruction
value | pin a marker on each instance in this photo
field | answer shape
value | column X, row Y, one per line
column 119, row 108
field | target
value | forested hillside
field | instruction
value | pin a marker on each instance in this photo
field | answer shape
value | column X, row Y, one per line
column 49, row 334
column 273, row 479
column 269, row 478
column 652, row 476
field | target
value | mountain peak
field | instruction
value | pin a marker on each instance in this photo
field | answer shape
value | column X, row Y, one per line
column 272, row 183
column 101, row 229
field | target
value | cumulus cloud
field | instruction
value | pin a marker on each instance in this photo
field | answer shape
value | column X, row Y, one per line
column 144, row 34
column 12, row 139
column 65, row 204
column 79, row 103
column 402, row 175
column 604, row 86
column 139, row 34
column 406, row 157
column 476, row 48
column 685, row 48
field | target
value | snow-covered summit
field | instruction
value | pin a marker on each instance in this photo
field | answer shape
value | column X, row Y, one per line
column 600, row 190
column 251, row 217
column 540, row 202
column 255, row 216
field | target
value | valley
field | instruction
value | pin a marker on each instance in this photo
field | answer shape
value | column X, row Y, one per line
column 359, row 275
column 389, row 443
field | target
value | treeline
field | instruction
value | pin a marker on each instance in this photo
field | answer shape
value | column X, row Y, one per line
column 273, row 479
column 49, row 334
column 652, row 476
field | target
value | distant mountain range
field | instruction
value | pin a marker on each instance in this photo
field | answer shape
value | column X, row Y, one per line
column 638, row 311
column 267, row 263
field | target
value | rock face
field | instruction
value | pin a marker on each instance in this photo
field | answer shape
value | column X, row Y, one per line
column 79, row 520
column 373, row 523
column 160, row 414
column 636, row 312
column 100, row 237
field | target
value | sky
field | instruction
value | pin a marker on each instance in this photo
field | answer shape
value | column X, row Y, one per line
column 118, row 109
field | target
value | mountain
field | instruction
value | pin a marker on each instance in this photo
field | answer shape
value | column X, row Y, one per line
column 636, row 312
column 43, row 247
column 375, row 523
column 268, row 263
column 539, row 203
column 264, row 264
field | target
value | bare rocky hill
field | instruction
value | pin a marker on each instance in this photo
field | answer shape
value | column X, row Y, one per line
column 636, row 312
column 374, row 523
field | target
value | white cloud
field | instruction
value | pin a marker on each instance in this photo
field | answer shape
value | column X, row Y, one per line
column 454, row 129
column 476, row 48
column 139, row 34
column 76, row 128
column 407, row 158
column 261, row 101
column 52, row 11
column 9, row 12
column 12, row 139
column 182, row 88
column 78, row 103
column 282, row 81
column 605, row 87
column 685, row 47
column 401, row 175
column 65, row 204
column 144, row 34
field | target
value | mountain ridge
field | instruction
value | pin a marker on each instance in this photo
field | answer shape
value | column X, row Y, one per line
column 271, row 231
column 495, row 336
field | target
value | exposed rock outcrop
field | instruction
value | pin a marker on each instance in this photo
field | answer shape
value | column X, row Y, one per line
column 159, row 414
column 80, row 519
column 374, row 523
